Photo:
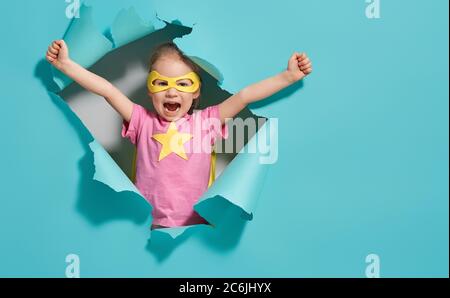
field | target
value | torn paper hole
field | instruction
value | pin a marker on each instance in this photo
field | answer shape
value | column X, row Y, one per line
column 237, row 186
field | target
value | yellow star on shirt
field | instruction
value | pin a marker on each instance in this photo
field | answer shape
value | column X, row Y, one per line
column 172, row 141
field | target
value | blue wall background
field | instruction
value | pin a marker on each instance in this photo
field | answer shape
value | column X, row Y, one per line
column 363, row 146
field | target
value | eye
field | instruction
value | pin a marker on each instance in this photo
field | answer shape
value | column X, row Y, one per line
column 184, row 83
column 160, row 83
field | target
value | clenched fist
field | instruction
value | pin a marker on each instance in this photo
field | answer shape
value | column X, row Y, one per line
column 58, row 53
column 299, row 66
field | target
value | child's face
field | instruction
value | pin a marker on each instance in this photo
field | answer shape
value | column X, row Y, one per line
column 172, row 104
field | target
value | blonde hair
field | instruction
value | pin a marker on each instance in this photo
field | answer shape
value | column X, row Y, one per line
column 170, row 48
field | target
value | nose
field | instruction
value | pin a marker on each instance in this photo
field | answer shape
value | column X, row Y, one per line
column 171, row 92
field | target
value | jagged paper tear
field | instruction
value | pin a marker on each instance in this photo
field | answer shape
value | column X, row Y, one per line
column 239, row 184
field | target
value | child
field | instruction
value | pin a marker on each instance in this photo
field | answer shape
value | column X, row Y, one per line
column 174, row 144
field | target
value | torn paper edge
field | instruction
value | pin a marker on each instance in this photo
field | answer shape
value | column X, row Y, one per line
column 87, row 46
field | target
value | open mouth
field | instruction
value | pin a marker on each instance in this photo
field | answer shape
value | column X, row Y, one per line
column 172, row 107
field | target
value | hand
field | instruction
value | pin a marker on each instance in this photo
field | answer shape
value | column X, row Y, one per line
column 58, row 53
column 299, row 66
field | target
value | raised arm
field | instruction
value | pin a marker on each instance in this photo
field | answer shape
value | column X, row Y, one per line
column 58, row 56
column 299, row 66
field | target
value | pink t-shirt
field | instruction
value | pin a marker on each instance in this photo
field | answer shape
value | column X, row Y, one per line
column 170, row 180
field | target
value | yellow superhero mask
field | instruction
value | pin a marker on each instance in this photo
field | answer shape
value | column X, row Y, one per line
column 189, row 82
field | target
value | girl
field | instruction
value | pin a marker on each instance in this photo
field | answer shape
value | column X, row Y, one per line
column 174, row 144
